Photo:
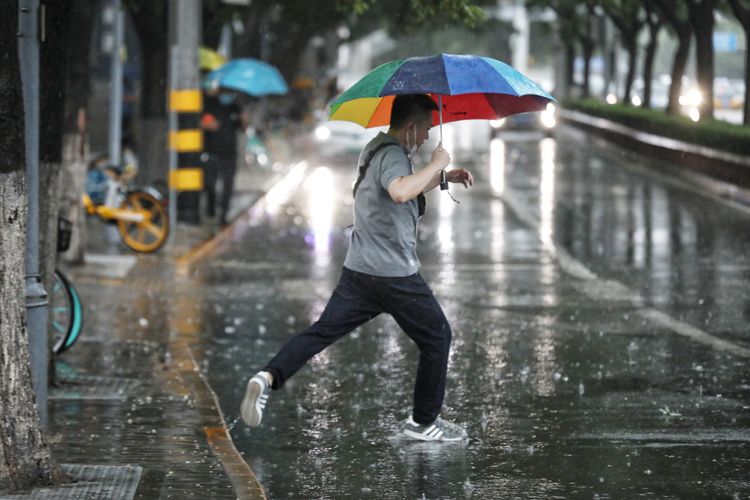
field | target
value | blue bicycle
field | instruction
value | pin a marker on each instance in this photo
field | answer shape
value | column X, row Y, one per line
column 66, row 310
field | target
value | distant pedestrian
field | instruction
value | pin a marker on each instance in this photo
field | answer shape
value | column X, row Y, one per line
column 380, row 273
column 221, row 121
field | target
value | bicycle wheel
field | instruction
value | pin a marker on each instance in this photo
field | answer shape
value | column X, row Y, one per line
column 66, row 312
column 149, row 234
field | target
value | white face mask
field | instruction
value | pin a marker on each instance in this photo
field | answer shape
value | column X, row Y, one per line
column 411, row 148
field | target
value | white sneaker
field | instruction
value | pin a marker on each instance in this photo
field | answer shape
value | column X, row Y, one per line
column 254, row 402
column 439, row 430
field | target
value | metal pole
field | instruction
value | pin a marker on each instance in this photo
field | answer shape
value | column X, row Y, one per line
column 36, row 295
column 172, row 152
column 115, row 94
column 443, row 181
column 521, row 37
column 185, row 37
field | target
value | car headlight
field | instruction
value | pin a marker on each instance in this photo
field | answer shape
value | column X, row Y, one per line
column 497, row 123
column 322, row 133
column 547, row 117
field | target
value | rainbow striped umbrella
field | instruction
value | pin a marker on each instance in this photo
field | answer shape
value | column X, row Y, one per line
column 465, row 87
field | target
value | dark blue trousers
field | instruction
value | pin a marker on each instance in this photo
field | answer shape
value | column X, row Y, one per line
column 359, row 298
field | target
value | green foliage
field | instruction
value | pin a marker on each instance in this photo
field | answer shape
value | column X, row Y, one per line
column 399, row 16
column 711, row 133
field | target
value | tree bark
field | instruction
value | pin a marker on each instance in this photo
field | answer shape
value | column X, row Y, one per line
column 632, row 49
column 569, row 69
column 654, row 21
column 151, row 23
column 588, row 44
column 53, row 68
column 681, row 27
column 25, row 458
column 702, row 20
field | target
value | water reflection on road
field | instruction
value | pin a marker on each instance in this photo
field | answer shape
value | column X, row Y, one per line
column 600, row 339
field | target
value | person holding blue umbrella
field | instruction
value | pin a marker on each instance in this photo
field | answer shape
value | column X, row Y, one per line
column 222, row 119
column 381, row 272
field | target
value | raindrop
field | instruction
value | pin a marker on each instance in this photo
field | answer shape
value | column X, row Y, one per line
column 483, row 422
column 581, row 389
column 229, row 329
column 468, row 488
column 262, row 329
column 291, row 320
column 143, row 322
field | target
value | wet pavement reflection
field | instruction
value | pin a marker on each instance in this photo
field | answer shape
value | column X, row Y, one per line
column 600, row 340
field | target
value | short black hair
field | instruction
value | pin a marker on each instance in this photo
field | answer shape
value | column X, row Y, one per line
column 409, row 107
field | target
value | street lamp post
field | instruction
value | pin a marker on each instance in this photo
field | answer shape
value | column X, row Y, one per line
column 115, row 94
column 36, row 295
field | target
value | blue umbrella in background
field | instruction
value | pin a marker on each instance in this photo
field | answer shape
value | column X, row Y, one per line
column 250, row 76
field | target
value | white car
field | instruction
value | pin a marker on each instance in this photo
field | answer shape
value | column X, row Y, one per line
column 339, row 138
column 544, row 121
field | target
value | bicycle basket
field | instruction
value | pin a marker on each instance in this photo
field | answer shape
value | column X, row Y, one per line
column 64, row 232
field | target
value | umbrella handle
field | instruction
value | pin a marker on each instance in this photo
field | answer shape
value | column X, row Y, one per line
column 443, row 180
column 440, row 113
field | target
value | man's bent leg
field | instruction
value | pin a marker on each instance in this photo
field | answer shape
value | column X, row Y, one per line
column 348, row 308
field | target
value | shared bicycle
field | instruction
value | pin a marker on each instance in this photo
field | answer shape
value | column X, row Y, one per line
column 139, row 212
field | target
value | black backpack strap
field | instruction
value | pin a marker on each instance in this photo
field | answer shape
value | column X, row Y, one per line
column 366, row 164
column 421, row 202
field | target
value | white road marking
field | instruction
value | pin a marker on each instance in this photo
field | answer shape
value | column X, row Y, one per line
column 577, row 269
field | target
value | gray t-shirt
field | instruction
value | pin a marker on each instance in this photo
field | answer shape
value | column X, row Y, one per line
column 384, row 238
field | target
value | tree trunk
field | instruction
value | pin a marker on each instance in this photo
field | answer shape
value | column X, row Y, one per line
column 742, row 14
column 25, row 458
column 678, row 70
column 648, row 63
column 588, row 51
column 569, row 69
column 152, row 25
column 702, row 20
column 632, row 50
column 53, row 68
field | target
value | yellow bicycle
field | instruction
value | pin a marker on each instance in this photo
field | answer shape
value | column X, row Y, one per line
column 139, row 212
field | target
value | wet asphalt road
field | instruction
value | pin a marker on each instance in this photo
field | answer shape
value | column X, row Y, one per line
column 600, row 335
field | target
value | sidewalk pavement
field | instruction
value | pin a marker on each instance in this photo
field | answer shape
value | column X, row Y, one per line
column 719, row 173
column 131, row 416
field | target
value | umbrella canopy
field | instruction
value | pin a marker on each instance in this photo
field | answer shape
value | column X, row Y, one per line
column 467, row 87
column 210, row 59
column 250, row 76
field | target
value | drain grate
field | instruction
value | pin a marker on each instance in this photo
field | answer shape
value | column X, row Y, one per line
column 95, row 387
column 92, row 482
